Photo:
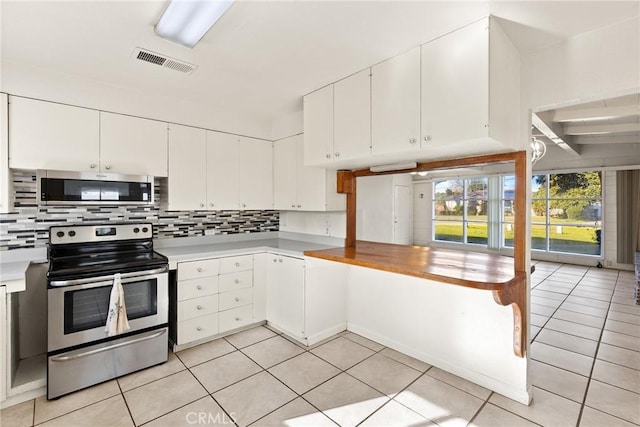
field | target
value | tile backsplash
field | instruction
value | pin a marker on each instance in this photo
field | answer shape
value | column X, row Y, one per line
column 28, row 226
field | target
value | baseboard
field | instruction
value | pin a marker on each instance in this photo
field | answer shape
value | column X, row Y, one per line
column 327, row 333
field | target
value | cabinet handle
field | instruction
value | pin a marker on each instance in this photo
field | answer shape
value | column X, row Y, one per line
column 198, row 328
column 427, row 138
column 107, row 167
column 412, row 141
column 237, row 318
column 199, row 287
column 211, row 204
column 280, row 260
column 293, row 205
column 328, row 156
column 92, row 166
column 244, row 205
column 237, row 264
column 337, row 154
column 237, row 299
column 275, row 260
column 202, row 205
column 237, row 281
column 299, row 206
column 200, row 269
column 199, row 307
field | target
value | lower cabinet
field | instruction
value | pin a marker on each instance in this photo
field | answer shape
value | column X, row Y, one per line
column 213, row 296
column 285, row 295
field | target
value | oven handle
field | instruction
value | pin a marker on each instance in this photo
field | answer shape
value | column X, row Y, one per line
column 109, row 278
column 107, row 348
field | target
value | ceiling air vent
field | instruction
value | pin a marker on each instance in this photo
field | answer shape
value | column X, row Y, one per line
column 163, row 61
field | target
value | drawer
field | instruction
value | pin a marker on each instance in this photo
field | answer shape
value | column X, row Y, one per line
column 195, row 288
column 196, row 269
column 198, row 328
column 235, row 318
column 236, row 263
column 196, row 307
column 233, row 299
column 233, row 281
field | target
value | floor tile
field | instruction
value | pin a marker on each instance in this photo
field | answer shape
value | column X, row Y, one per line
column 622, row 328
column 20, row 415
column 545, row 301
column 547, row 409
column 460, row 383
column 439, row 402
column 585, row 309
column 614, row 401
column 298, row 413
column 272, row 351
column 372, row 345
column 549, row 295
column 47, row 409
column 620, row 356
column 533, row 330
column 254, row 397
column 593, row 294
column 224, row 371
column 342, row 352
column 568, row 342
column 560, row 358
column 559, row 381
column 625, row 317
column 304, row 372
column 204, row 352
column 145, row 376
column 384, row 374
column 201, row 412
column 621, row 340
column 537, row 319
column 163, row 396
column 109, row 412
column 572, row 328
column 407, row 360
column 594, row 418
column 552, row 287
column 493, row 416
column 251, row 336
column 630, row 309
column 346, row 400
column 394, row 414
column 617, row 375
column 583, row 319
column 587, row 301
column 542, row 310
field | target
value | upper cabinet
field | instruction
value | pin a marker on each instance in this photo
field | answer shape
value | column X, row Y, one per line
column 45, row 135
column 337, row 121
column 187, row 186
column 256, row 174
column 300, row 187
column 223, row 157
column 395, row 104
column 131, row 145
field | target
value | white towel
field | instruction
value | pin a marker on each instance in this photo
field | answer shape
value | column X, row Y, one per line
column 117, row 321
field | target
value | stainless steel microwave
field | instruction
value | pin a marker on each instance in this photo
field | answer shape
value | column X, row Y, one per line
column 91, row 188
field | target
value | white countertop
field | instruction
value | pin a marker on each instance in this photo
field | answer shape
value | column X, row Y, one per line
column 14, row 264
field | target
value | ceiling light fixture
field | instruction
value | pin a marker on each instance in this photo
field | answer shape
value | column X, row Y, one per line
column 186, row 21
column 538, row 150
column 393, row 167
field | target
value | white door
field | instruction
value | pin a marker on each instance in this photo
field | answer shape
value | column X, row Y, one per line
column 131, row 145
column 223, row 160
column 285, row 173
column 187, row 183
column 395, row 104
column 402, row 214
column 256, row 174
column 318, row 126
column 352, row 116
column 285, row 294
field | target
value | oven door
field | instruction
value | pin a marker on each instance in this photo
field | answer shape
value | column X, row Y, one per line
column 77, row 309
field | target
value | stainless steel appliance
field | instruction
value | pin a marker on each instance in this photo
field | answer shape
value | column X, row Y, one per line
column 77, row 188
column 83, row 261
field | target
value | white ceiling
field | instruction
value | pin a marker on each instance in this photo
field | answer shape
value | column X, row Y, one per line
column 263, row 55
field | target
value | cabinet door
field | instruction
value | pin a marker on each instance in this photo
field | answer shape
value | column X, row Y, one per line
column 285, row 294
column 187, row 183
column 395, row 104
column 318, row 126
column 285, row 165
column 6, row 204
column 45, row 135
column 256, row 174
column 131, row 145
column 223, row 159
column 311, row 184
column 455, row 86
column 352, row 117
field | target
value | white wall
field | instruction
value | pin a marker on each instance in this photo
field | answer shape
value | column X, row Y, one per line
column 332, row 224
column 33, row 82
column 422, row 213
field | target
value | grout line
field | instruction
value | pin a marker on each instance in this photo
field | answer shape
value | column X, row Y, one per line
column 485, row 403
column 125, row 401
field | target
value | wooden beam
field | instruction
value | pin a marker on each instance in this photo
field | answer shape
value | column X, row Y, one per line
column 347, row 185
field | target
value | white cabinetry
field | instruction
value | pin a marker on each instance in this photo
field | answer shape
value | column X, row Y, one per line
column 187, row 183
column 222, row 171
column 46, row 135
column 300, row 187
column 256, row 174
column 395, row 104
column 285, row 295
column 337, row 121
column 6, row 202
column 131, row 145
column 469, row 90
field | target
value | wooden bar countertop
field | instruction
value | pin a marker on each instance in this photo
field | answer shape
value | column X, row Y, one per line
column 470, row 269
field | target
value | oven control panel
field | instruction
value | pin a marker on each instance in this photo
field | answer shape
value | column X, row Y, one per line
column 59, row 235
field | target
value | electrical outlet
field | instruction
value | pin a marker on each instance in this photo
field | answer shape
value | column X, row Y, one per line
column 210, row 232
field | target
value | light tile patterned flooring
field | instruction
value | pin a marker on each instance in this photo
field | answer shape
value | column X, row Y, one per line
column 585, row 369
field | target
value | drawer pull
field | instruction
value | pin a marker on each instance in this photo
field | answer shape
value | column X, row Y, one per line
column 237, row 264
column 199, row 307
column 275, row 260
column 200, row 269
column 237, row 280
column 199, row 287
column 237, row 319
column 237, row 299
column 280, row 260
column 198, row 328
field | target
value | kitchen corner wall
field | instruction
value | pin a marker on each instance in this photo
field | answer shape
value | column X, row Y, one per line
column 28, row 226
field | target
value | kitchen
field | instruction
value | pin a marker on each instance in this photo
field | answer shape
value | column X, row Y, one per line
column 243, row 153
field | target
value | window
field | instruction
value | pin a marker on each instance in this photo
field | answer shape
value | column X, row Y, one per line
column 566, row 212
column 460, row 211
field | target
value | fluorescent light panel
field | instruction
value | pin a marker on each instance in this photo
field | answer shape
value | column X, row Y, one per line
column 186, row 21
column 393, row 167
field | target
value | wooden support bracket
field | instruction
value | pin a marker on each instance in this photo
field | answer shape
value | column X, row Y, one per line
column 516, row 296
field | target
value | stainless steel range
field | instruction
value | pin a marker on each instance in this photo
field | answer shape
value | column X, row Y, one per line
column 84, row 263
